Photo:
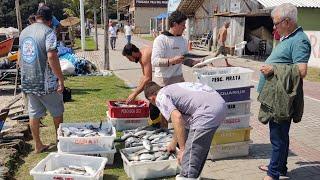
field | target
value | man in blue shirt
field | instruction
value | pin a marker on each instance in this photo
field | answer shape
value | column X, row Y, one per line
column 294, row 48
column 41, row 76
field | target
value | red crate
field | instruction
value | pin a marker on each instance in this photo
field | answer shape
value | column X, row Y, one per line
column 129, row 112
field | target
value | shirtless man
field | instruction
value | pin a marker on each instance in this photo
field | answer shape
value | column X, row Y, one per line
column 143, row 56
column 222, row 37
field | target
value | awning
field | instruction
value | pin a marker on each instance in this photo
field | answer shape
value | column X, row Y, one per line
column 189, row 7
column 298, row 3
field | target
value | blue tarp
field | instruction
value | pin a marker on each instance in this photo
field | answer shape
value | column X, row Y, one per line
column 162, row 15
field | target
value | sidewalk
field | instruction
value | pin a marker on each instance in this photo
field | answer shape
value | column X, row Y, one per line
column 304, row 156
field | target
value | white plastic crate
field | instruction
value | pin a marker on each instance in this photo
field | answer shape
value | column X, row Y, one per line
column 127, row 123
column 148, row 170
column 56, row 160
column 235, row 122
column 230, row 150
column 85, row 144
column 107, row 154
column 238, row 108
column 224, row 78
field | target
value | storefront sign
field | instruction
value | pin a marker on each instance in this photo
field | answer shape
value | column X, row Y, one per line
column 173, row 5
column 151, row 3
column 314, row 37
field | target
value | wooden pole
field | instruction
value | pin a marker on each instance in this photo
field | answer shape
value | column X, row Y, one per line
column 106, row 65
column 19, row 23
column 101, row 14
column 95, row 25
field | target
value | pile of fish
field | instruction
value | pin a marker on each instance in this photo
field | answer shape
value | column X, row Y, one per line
column 146, row 136
column 124, row 104
column 76, row 170
column 87, row 131
column 141, row 154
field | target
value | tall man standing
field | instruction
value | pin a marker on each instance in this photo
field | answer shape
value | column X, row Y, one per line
column 41, row 76
column 168, row 50
column 196, row 111
column 128, row 32
column 222, row 37
column 294, row 48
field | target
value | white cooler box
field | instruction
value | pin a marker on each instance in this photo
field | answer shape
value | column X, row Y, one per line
column 109, row 154
column 224, row 78
column 122, row 124
column 235, row 122
column 148, row 170
column 85, row 144
column 229, row 150
column 238, row 108
column 55, row 160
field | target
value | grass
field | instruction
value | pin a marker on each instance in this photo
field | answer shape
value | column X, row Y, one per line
column 90, row 43
column 89, row 96
column 313, row 74
column 149, row 38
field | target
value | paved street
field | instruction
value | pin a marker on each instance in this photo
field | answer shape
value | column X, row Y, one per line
column 304, row 157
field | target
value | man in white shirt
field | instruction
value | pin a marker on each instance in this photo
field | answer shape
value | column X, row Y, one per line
column 168, row 50
column 113, row 36
column 128, row 32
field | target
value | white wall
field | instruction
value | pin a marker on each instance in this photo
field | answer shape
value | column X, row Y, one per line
column 314, row 37
column 143, row 15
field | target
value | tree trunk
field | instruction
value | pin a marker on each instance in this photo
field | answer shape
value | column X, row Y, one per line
column 95, row 26
column 106, row 38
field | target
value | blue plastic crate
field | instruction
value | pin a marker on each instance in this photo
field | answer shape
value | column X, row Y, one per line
column 235, row 94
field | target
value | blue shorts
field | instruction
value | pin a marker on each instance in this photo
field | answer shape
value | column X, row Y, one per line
column 38, row 105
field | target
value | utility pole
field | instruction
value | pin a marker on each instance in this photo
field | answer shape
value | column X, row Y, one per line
column 19, row 23
column 106, row 65
column 95, row 24
column 83, row 35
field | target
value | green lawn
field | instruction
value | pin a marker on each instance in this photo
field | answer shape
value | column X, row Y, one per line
column 313, row 74
column 90, row 43
column 89, row 96
column 149, row 38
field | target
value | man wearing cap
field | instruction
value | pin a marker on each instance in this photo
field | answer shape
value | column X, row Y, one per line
column 41, row 76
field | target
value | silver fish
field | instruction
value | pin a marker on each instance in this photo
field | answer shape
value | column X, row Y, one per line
column 126, row 136
column 164, row 156
column 147, row 157
column 147, row 144
column 140, row 133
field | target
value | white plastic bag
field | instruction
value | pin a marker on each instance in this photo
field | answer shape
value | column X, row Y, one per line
column 67, row 67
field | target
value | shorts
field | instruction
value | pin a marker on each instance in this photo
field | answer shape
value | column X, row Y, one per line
column 38, row 105
column 222, row 50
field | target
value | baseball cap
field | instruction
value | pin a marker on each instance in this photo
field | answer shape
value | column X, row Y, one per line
column 45, row 12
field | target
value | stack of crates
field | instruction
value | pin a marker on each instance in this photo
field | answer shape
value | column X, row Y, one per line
column 233, row 84
column 126, row 118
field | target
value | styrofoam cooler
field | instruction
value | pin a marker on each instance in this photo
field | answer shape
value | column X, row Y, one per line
column 235, row 122
column 238, row 108
column 55, row 160
column 224, row 78
column 109, row 154
column 220, row 151
column 127, row 123
column 84, row 144
column 148, row 170
column 236, row 94
column 231, row 136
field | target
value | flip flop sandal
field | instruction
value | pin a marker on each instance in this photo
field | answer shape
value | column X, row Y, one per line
column 263, row 168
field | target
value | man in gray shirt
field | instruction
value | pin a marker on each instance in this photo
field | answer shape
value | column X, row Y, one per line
column 41, row 76
column 196, row 111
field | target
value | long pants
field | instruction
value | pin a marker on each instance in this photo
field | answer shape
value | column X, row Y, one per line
column 196, row 150
column 279, row 137
column 128, row 39
column 113, row 42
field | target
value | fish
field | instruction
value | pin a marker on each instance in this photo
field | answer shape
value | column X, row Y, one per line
column 147, row 157
column 147, row 144
column 72, row 169
column 140, row 133
column 86, row 131
column 164, row 156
